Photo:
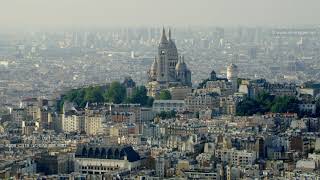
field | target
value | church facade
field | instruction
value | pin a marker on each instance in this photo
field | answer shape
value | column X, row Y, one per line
column 168, row 68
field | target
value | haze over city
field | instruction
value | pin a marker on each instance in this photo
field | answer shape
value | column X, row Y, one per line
column 99, row 13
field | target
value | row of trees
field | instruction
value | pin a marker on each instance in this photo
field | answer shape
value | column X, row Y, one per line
column 265, row 102
column 115, row 93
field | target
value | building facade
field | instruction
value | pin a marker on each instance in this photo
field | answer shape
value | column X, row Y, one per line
column 103, row 159
column 168, row 105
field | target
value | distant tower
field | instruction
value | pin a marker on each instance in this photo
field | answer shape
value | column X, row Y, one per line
column 213, row 76
column 132, row 55
column 232, row 75
column 162, row 68
column 173, row 57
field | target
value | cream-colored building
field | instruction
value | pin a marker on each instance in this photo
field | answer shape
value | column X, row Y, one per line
column 232, row 75
column 34, row 111
column 71, row 123
column 227, row 106
column 221, row 87
column 236, row 157
column 118, row 130
column 197, row 102
column 179, row 93
column 93, row 124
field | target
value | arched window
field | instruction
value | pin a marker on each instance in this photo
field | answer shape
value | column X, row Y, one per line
column 110, row 154
column 91, row 153
column 97, row 152
column 84, row 152
column 117, row 154
column 122, row 154
column 103, row 153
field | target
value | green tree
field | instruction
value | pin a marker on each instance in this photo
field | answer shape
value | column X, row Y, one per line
column 284, row 104
column 76, row 96
column 167, row 114
column 116, row 93
column 71, row 95
column 164, row 95
column 150, row 102
column 94, row 94
column 139, row 96
column 265, row 100
column 248, row 107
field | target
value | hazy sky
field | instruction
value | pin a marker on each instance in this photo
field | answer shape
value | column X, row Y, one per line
column 73, row 13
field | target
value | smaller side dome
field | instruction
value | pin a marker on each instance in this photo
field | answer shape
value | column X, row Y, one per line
column 154, row 65
column 181, row 65
column 153, row 70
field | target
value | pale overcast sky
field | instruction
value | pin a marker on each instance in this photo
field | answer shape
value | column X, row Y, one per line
column 73, row 13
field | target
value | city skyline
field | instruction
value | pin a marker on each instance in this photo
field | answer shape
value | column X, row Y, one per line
column 155, row 90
